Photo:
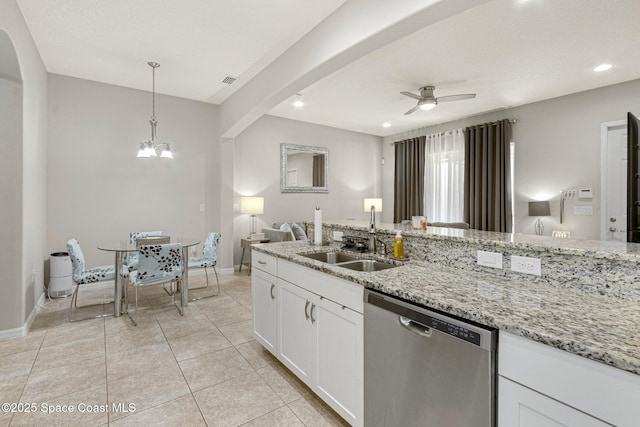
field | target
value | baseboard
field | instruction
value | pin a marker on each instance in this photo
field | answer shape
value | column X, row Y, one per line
column 22, row 331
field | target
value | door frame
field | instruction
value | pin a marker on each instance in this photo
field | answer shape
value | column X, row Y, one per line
column 605, row 128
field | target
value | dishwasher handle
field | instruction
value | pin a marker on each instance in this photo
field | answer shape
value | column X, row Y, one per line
column 415, row 327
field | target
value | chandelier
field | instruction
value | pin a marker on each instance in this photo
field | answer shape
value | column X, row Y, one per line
column 152, row 147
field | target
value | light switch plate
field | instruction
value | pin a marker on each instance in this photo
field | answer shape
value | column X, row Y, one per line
column 337, row 236
column 583, row 210
column 523, row 264
column 490, row 259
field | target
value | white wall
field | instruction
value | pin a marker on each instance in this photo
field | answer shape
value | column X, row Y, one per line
column 29, row 177
column 354, row 172
column 557, row 147
column 99, row 191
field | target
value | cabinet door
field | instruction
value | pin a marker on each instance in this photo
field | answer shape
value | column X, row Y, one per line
column 296, row 332
column 519, row 406
column 339, row 359
column 264, row 307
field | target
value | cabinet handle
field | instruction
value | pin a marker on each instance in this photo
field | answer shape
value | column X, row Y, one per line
column 271, row 291
column 306, row 314
column 313, row 320
column 262, row 262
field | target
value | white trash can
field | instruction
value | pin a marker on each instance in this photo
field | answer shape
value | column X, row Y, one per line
column 60, row 281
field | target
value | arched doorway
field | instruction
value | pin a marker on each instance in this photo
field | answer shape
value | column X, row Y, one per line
column 11, row 304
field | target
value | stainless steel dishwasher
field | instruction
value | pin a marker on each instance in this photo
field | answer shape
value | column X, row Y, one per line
column 426, row 369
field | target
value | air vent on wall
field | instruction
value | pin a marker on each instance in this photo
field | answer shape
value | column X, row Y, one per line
column 229, row 80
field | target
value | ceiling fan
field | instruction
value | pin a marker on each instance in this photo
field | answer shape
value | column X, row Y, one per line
column 426, row 100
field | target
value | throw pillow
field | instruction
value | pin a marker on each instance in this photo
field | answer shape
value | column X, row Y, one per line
column 287, row 227
column 298, row 231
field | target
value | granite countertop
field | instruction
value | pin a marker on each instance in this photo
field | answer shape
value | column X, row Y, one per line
column 595, row 248
column 601, row 328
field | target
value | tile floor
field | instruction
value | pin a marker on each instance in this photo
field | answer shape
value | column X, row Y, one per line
column 203, row 369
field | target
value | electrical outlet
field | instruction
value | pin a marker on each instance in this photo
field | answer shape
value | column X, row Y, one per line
column 337, row 236
column 201, row 207
column 523, row 264
column 490, row 259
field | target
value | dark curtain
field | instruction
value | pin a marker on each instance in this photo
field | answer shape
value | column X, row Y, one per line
column 487, row 176
column 409, row 179
column 318, row 170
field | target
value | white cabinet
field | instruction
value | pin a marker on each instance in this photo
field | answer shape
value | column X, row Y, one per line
column 340, row 359
column 296, row 333
column 264, row 294
column 318, row 330
column 543, row 386
column 522, row 407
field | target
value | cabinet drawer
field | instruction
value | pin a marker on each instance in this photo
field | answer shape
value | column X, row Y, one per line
column 264, row 262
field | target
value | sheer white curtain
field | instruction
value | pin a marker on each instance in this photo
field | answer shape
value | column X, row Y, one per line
column 444, row 177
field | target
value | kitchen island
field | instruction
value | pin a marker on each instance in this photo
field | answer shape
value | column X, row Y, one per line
column 585, row 303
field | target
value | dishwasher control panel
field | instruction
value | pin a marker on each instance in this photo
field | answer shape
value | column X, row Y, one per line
column 455, row 330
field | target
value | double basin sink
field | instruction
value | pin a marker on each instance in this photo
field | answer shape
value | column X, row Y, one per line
column 349, row 261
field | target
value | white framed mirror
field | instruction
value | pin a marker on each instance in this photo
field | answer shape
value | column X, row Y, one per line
column 304, row 169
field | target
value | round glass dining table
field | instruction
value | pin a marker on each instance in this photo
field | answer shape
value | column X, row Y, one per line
column 121, row 249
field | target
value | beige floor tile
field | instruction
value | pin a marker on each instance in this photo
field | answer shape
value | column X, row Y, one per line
column 180, row 412
column 230, row 315
column 17, row 364
column 32, row 341
column 168, row 313
column 281, row 417
column 237, row 401
column 239, row 332
column 183, row 326
column 214, row 368
column 197, row 344
column 144, row 358
column 257, row 356
column 284, row 383
column 213, row 305
column 43, row 386
column 5, row 419
column 126, row 340
column 73, row 331
column 89, row 409
column 70, row 352
column 148, row 388
column 11, row 388
column 315, row 413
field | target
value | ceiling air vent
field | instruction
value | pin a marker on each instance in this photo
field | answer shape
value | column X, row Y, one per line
column 229, row 80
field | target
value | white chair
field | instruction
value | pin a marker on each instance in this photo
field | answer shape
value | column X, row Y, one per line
column 83, row 276
column 208, row 259
column 132, row 258
column 159, row 264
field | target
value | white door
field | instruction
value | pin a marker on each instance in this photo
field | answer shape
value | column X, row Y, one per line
column 340, row 359
column 520, row 406
column 296, row 331
column 264, row 309
column 615, row 193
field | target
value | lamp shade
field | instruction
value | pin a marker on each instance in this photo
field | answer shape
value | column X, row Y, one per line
column 373, row 202
column 539, row 208
column 252, row 205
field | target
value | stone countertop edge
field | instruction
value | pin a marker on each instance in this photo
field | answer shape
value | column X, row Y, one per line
column 601, row 328
column 622, row 251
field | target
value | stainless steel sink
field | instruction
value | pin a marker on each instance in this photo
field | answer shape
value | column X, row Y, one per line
column 367, row 265
column 331, row 257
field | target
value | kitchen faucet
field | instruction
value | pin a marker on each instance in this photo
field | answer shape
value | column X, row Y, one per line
column 372, row 230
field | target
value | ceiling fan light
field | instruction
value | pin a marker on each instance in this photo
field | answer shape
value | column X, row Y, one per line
column 428, row 106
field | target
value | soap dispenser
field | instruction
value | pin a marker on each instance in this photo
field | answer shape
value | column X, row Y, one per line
column 398, row 246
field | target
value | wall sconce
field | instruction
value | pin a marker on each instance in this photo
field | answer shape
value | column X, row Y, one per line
column 539, row 209
column 252, row 206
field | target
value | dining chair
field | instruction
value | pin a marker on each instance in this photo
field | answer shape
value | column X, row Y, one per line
column 83, row 276
column 159, row 264
column 208, row 259
column 132, row 258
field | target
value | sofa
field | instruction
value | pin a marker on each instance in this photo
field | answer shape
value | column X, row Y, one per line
column 276, row 233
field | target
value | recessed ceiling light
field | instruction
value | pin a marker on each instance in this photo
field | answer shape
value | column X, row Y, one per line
column 298, row 101
column 602, row 67
column 386, row 125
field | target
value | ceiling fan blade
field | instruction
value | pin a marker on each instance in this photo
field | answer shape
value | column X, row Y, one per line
column 412, row 110
column 456, row 97
column 411, row 95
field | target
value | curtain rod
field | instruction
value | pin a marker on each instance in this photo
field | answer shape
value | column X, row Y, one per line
column 512, row 121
